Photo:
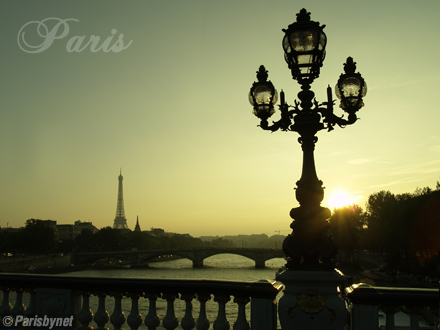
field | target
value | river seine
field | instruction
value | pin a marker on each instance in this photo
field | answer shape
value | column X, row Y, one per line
column 227, row 267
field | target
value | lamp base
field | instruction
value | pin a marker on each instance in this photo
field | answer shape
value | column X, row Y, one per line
column 311, row 300
column 310, row 246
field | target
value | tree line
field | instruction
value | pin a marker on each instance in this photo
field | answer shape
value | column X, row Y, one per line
column 404, row 228
column 38, row 238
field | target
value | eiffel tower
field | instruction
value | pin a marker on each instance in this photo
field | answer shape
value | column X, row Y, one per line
column 120, row 221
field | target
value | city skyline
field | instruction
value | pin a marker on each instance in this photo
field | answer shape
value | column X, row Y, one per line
column 163, row 95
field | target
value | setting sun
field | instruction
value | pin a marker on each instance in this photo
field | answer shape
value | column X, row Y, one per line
column 339, row 198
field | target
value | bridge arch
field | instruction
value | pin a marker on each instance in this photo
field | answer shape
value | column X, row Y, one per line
column 197, row 256
column 228, row 260
column 92, row 257
column 259, row 256
column 149, row 257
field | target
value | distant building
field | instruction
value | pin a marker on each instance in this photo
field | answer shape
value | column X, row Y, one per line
column 71, row 231
column 120, row 222
column 63, row 231
column 159, row 232
column 50, row 223
column 86, row 225
column 137, row 228
column 155, row 232
column 67, row 232
column 11, row 230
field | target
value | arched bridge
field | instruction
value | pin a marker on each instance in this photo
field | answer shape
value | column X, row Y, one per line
column 195, row 255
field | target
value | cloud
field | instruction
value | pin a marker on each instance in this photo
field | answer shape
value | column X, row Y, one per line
column 425, row 168
column 356, row 196
column 435, row 148
column 363, row 161
column 404, row 83
column 388, row 184
column 338, row 153
column 358, row 161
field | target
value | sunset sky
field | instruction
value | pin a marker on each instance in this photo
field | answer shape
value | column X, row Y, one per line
column 170, row 107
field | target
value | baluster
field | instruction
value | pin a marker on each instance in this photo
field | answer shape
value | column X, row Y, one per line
column 188, row 321
column 434, row 310
column 85, row 316
column 30, row 310
column 5, row 308
column 170, row 320
column 101, row 316
column 221, row 322
column 414, row 312
column 118, row 317
column 241, row 323
column 413, row 322
column 18, row 308
column 152, row 321
column 202, row 321
column 134, row 320
column 389, row 312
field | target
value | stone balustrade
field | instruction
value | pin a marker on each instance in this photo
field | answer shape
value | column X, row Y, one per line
column 220, row 305
column 65, row 296
column 366, row 301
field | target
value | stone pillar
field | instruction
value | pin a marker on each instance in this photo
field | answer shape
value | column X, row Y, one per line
column 311, row 300
column 198, row 263
column 58, row 303
column 263, row 314
column 260, row 264
column 134, row 261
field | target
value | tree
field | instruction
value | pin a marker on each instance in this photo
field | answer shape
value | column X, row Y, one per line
column 3, row 241
column 381, row 207
column 405, row 226
column 424, row 238
column 85, row 241
column 109, row 239
column 220, row 243
column 347, row 225
column 37, row 238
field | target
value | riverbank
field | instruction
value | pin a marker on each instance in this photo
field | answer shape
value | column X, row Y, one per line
column 368, row 272
column 62, row 264
column 28, row 264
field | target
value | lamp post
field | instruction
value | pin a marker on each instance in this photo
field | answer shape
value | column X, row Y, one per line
column 309, row 249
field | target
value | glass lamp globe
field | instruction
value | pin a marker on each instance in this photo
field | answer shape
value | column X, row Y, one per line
column 351, row 88
column 263, row 95
column 304, row 48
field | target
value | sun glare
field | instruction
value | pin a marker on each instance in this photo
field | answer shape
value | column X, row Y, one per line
column 339, row 198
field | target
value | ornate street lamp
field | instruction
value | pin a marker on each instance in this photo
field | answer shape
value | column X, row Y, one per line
column 309, row 246
column 312, row 285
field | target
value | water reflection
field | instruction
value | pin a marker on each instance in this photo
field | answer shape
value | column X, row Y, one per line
column 219, row 267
